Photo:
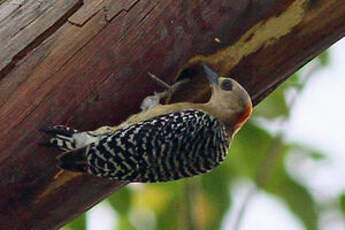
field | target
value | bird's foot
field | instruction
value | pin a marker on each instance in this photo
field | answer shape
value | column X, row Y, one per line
column 152, row 101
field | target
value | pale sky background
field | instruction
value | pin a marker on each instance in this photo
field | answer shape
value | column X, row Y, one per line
column 317, row 120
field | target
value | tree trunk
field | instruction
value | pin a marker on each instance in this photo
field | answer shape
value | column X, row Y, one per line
column 85, row 64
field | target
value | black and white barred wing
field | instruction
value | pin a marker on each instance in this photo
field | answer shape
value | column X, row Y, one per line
column 164, row 148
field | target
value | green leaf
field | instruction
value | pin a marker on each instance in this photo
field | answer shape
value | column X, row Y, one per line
column 216, row 188
column 317, row 155
column 306, row 150
column 273, row 106
column 168, row 218
column 121, row 201
column 294, row 194
column 324, row 58
column 293, row 81
column 342, row 203
column 78, row 223
column 248, row 150
column 124, row 223
column 159, row 195
column 164, row 200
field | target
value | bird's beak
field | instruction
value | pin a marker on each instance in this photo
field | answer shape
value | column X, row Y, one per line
column 210, row 74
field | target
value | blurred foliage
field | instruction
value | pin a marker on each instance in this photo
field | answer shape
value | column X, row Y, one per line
column 342, row 203
column 323, row 58
column 275, row 105
column 77, row 224
column 201, row 203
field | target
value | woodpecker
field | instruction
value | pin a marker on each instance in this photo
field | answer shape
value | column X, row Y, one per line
column 161, row 143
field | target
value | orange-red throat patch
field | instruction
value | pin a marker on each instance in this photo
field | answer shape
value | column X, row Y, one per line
column 242, row 117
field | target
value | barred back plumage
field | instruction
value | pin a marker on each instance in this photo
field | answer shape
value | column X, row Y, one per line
column 167, row 147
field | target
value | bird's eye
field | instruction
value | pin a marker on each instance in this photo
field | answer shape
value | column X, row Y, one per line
column 226, row 85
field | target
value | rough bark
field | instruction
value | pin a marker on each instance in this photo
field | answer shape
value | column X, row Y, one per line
column 85, row 64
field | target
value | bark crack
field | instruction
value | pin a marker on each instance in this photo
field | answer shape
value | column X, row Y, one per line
column 87, row 20
column 126, row 10
column 37, row 41
column 148, row 13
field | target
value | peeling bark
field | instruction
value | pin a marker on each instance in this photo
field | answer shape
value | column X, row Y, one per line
column 85, row 64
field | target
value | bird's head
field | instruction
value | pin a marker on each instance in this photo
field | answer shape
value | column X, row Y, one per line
column 229, row 101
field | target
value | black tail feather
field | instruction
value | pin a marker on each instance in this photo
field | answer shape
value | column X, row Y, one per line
column 74, row 167
column 59, row 130
column 73, row 161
